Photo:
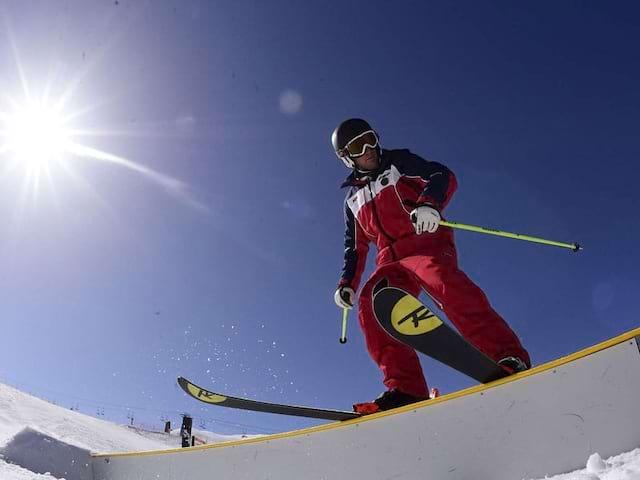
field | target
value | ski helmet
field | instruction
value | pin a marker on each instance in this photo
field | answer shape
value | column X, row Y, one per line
column 348, row 131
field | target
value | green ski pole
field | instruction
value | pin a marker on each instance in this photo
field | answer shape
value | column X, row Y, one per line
column 517, row 236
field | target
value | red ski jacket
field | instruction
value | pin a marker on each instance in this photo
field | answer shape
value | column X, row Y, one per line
column 377, row 209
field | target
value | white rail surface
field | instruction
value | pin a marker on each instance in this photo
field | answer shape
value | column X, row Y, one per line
column 544, row 421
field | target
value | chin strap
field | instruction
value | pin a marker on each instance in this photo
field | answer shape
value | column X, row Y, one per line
column 348, row 162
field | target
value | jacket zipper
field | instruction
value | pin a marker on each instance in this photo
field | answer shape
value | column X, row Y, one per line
column 379, row 224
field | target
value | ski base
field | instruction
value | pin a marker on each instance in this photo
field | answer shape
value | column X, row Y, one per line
column 221, row 400
column 407, row 320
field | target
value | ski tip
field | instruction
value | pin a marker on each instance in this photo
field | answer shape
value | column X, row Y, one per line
column 183, row 382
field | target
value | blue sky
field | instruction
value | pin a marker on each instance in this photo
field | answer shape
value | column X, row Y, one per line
column 209, row 242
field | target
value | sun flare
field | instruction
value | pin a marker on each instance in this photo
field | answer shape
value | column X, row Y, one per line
column 34, row 136
column 40, row 142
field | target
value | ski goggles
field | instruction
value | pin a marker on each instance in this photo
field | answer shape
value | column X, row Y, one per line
column 358, row 145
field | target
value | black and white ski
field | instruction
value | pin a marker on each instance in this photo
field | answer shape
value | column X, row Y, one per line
column 221, row 400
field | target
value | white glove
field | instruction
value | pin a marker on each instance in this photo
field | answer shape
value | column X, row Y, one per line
column 344, row 297
column 425, row 219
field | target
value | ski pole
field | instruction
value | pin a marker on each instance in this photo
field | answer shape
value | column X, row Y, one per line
column 343, row 337
column 517, row 236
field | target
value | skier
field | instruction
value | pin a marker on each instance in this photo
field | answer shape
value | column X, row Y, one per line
column 395, row 200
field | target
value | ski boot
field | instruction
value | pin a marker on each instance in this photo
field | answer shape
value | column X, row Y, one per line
column 390, row 399
column 513, row 364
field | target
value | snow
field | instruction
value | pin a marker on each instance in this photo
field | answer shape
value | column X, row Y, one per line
column 39, row 440
column 625, row 466
column 42, row 441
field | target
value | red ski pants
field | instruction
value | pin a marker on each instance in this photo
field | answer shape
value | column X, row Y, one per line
column 464, row 303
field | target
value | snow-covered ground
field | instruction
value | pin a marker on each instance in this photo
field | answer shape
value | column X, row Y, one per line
column 41, row 441
column 625, row 466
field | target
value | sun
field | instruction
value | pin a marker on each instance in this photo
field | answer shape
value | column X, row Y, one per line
column 34, row 136
column 41, row 139
column 37, row 141
column 40, row 143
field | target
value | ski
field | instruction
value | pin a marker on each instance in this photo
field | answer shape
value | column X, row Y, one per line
column 407, row 320
column 221, row 400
